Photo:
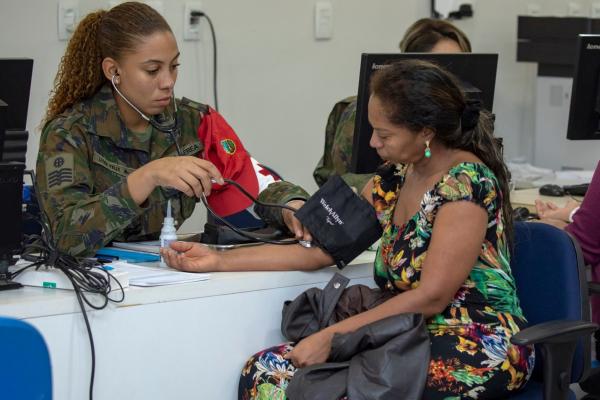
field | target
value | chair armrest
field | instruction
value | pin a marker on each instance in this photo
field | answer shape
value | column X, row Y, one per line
column 559, row 331
column 557, row 341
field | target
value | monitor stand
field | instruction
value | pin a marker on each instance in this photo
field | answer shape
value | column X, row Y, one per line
column 5, row 282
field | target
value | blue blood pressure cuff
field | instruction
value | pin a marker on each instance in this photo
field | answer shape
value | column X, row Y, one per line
column 341, row 222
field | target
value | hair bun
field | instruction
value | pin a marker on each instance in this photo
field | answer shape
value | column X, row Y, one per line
column 470, row 114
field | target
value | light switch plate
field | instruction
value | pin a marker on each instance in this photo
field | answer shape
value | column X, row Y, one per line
column 323, row 20
column 68, row 16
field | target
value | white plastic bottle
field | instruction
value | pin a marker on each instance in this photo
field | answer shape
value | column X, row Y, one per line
column 168, row 232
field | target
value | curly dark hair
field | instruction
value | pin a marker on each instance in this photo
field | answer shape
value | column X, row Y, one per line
column 99, row 35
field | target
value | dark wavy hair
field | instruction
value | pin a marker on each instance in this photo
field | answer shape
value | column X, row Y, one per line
column 425, row 33
column 418, row 94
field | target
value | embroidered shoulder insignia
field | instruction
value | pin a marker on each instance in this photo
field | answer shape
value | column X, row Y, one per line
column 229, row 146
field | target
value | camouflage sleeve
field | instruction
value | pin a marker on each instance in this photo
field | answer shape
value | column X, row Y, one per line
column 339, row 141
column 279, row 192
column 81, row 220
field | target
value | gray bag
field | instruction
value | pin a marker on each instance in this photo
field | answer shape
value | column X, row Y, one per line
column 387, row 359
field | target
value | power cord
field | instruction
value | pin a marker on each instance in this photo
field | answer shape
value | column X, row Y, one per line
column 199, row 14
column 86, row 276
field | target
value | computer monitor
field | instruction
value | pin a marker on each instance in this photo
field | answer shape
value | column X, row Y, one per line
column 15, row 86
column 584, row 113
column 477, row 73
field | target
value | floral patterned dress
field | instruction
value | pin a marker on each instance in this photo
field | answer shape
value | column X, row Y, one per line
column 471, row 353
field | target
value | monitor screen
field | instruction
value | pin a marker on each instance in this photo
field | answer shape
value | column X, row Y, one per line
column 477, row 73
column 584, row 113
column 15, row 84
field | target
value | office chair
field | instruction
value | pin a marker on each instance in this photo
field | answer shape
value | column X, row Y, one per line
column 25, row 370
column 549, row 273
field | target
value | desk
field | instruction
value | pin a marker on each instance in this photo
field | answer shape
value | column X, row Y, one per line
column 181, row 342
column 526, row 198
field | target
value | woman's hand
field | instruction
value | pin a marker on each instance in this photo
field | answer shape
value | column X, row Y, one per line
column 549, row 210
column 191, row 257
column 293, row 224
column 190, row 175
column 311, row 350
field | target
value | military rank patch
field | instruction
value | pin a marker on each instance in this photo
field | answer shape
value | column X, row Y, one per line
column 59, row 171
column 229, row 146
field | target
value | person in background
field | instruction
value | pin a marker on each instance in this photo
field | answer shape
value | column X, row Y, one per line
column 583, row 222
column 424, row 36
column 442, row 199
column 116, row 144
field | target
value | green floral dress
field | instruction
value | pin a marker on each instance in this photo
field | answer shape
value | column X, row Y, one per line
column 471, row 353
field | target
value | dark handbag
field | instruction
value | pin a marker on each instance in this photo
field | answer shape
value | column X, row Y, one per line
column 341, row 222
column 387, row 359
column 315, row 309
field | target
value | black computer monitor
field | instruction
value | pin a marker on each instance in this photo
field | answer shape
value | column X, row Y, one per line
column 584, row 114
column 477, row 73
column 15, row 85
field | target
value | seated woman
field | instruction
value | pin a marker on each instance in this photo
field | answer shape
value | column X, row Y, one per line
column 444, row 251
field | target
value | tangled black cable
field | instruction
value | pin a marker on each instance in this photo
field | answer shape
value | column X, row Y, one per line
column 255, row 237
column 86, row 276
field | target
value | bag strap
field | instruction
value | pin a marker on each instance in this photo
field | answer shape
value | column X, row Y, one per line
column 330, row 296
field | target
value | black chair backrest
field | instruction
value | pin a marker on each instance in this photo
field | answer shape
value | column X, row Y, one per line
column 549, row 272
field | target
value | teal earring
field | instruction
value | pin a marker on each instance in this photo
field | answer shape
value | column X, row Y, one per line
column 427, row 149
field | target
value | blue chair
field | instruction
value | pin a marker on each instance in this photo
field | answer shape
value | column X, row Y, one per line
column 550, row 277
column 25, row 371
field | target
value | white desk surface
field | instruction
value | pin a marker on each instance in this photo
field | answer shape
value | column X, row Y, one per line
column 32, row 302
column 185, row 341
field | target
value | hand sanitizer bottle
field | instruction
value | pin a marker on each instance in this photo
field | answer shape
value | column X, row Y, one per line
column 168, row 233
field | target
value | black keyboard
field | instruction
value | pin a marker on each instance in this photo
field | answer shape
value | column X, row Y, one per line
column 576, row 190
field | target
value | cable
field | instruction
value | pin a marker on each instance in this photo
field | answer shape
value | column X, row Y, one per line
column 256, row 201
column 85, row 275
column 200, row 14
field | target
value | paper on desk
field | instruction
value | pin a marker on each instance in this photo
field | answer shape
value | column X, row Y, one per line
column 140, row 275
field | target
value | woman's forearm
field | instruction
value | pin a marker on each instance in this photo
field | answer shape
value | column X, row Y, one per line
column 270, row 257
column 411, row 301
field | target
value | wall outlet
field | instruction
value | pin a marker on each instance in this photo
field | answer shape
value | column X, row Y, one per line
column 68, row 16
column 574, row 9
column 191, row 23
column 595, row 10
column 534, row 9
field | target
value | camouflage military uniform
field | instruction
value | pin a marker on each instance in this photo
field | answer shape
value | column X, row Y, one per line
column 84, row 159
column 339, row 135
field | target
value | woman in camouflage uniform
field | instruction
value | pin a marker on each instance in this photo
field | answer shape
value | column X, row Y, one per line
column 104, row 172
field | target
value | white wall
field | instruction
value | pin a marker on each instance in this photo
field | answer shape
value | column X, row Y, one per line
column 276, row 83
column 494, row 29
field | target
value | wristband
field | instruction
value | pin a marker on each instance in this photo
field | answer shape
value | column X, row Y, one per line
column 573, row 213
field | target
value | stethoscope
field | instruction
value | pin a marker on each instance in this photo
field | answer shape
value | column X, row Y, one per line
column 166, row 125
column 171, row 127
